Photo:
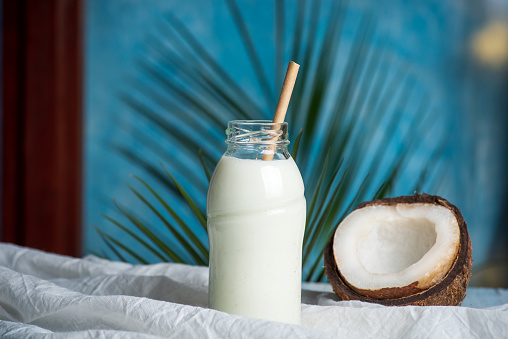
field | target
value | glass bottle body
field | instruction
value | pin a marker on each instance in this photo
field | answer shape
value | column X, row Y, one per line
column 256, row 219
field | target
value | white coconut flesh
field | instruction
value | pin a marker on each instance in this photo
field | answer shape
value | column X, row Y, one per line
column 382, row 246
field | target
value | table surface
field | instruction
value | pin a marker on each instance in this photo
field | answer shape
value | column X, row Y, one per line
column 61, row 297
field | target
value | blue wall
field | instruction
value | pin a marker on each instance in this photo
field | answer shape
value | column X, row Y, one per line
column 431, row 38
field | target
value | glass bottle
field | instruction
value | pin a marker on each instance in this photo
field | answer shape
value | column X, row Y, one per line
column 256, row 219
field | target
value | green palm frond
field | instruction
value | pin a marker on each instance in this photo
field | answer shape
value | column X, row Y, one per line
column 352, row 135
column 200, row 254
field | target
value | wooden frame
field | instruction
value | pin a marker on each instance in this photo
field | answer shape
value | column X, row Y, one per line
column 42, row 124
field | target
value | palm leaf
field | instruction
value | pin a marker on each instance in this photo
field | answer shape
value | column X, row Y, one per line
column 202, row 160
column 317, row 191
column 348, row 115
column 109, row 241
column 189, row 246
column 200, row 56
column 253, row 55
column 279, row 42
column 204, row 82
column 200, row 215
column 184, row 227
column 296, row 145
column 316, row 226
column 166, row 252
column 317, row 266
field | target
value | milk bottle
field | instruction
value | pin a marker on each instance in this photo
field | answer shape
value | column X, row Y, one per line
column 256, row 221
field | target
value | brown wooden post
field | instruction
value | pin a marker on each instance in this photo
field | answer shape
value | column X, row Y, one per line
column 42, row 124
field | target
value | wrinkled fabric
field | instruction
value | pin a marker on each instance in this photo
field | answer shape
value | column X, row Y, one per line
column 44, row 295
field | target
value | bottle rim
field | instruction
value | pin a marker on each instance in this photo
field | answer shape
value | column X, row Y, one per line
column 256, row 122
column 257, row 132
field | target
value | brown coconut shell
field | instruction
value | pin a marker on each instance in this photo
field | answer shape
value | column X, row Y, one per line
column 450, row 291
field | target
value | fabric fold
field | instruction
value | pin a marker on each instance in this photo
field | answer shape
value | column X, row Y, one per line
column 51, row 296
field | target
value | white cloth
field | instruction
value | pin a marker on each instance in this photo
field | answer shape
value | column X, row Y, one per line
column 44, row 295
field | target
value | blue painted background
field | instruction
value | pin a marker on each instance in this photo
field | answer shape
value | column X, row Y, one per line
column 433, row 38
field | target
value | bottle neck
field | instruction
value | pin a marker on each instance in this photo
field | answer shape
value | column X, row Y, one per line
column 257, row 139
column 256, row 152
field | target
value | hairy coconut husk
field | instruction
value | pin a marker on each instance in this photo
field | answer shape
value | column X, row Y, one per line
column 451, row 290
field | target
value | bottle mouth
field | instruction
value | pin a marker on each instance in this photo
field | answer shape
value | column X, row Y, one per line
column 257, row 132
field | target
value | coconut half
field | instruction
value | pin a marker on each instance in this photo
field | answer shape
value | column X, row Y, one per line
column 409, row 250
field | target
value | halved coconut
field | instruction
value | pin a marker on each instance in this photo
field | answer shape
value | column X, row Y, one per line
column 409, row 250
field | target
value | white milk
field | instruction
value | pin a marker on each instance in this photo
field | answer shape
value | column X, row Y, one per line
column 256, row 221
